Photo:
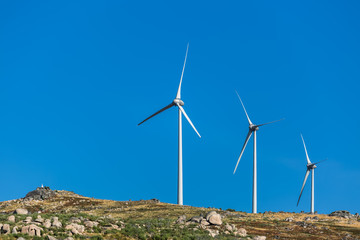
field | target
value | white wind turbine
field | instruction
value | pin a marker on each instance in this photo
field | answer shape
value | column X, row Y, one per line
column 252, row 129
column 309, row 167
column 179, row 103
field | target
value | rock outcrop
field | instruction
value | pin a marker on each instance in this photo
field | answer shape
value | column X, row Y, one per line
column 343, row 214
column 40, row 193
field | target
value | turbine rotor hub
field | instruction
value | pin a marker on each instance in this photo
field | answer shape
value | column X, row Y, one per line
column 311, row 166
column 178, row 101
column 253, row 127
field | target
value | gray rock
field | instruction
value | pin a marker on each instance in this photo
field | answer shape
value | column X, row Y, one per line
column 75, row 228
column 241, row 232
column 32, row 230
column 28, row 220
column 39, row 219
column 259, row 238
column 41, row 193
column 343, row 214
column 74, row 220
column 56, row 223
column 212, row 232
column 51, row 238
column 47, row 223
column 5, row 229
column 181, row 219
column 90, row 224
column 204, row 223
column 228, row 227
column 196, row 219
column 209, row 214
column 15, row 230
column 20, row 238
column 69, row 238
column 289, row 219
column 214, row 218
column 307, row 219
column 11, row 218
column 21, row 211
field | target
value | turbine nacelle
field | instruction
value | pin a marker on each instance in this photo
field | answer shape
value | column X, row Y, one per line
column 253, row 127
column 311, row 166
column 178, row 101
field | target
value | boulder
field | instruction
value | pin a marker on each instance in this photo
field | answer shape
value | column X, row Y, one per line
column 204, row 222
column 69, row 238
column 241, row 232
column 196, row 219
column 56, row 223
column 32, row 230
column 51, row 238
column 75, row 228
column 41, row 193
column 47, row 223
column 28, row 220
column 21, row 211
column 259, row 238
column 209, row 214
column 15, row 230
column 228, row 227
column 90, row 224
column 181, row 219
column 11, row 218
column 212, row 232
column 20, row 238
column 39, row 219
column 289, row 219
column 214, row 218
column 5, row 229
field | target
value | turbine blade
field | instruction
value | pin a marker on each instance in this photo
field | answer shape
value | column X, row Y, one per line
column 161, row 110
column 182, row 74
column 306, row 176
column 242, row 150
column 320, row 161
column 244, row 108
column 186, row 116
column 269, row 122
column 307, row 157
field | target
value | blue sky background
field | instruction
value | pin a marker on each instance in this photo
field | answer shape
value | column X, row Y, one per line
column 77, row 77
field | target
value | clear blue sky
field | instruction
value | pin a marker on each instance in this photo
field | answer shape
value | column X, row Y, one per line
column 77, row 77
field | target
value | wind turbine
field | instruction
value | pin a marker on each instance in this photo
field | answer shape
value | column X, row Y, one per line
column 179, row 103
column 252, row 129
column 310, row 167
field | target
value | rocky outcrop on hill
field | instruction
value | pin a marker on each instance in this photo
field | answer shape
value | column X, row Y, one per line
column 344, row 214
column 40, row 193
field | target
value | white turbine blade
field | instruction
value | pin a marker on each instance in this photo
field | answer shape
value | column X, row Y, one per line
column 242, row 150
column 182, row 74
column 269, row 122
column 244, row 108
column 307, row 157
column 186, row 116
column 161, row 110
column 306, row 176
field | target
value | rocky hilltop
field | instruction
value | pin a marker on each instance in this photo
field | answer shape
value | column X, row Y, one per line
column 53, row 214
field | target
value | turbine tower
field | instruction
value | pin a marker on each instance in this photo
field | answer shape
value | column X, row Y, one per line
column 252, row 129
column 309, row 167
column 179, row 103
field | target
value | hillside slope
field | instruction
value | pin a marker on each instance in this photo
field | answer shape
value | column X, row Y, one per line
column 66, row 215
